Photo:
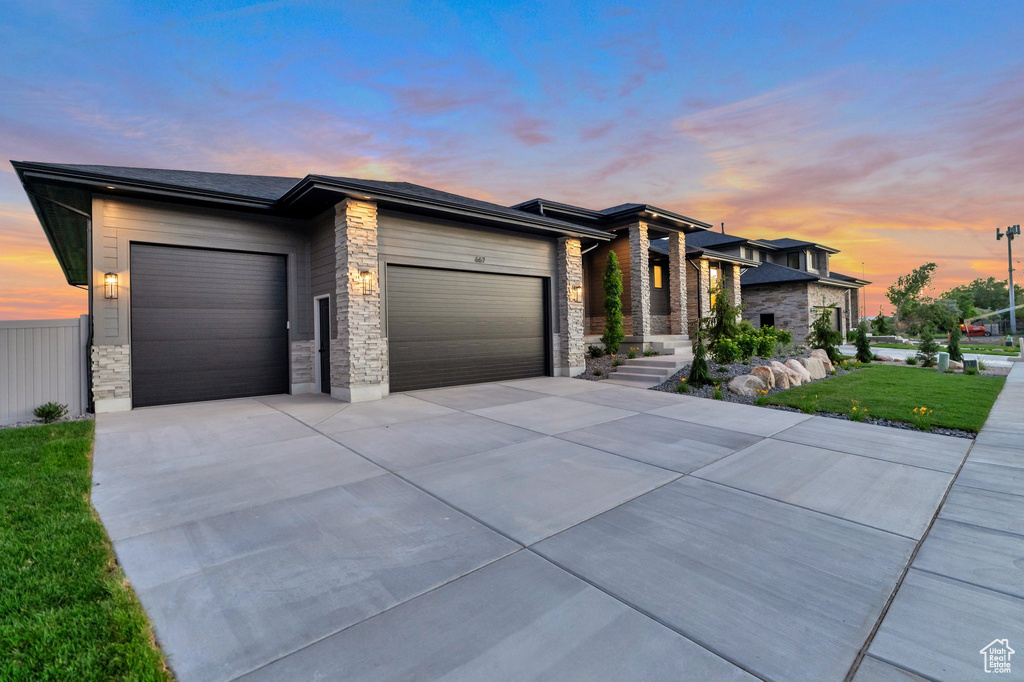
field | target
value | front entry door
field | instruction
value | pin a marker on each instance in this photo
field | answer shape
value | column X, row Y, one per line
column 324, row 321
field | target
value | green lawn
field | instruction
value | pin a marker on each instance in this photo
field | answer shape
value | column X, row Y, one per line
column 958, row 401
column 965, row 347
column 66, row 610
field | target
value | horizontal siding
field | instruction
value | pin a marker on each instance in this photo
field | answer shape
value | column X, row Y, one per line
column 117, row 223
column 440, row 244
column 41, row 361
column 322, row 264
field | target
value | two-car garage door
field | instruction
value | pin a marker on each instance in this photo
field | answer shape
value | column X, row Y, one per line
column 450, row 327
column 207, row 325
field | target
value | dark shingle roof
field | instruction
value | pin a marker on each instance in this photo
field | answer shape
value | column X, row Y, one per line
column 787, row 243
column 772, row 273
column 844, row 278
column 710, row 238
column 267, row 187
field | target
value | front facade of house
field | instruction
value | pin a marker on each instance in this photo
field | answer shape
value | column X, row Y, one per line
column 210, row 286
column 793, row 284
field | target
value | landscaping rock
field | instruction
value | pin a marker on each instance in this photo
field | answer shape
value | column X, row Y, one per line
column 814, row 367
column 746, row 384
column 792, row 376
column 956, row 364
column 823, row 356
column 765, row 374
column 800, row 371
column 884, row 358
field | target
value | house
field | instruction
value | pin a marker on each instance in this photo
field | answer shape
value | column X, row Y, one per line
column 651, row 245
column 793, row 282
column 711, row 271
column 207, row 286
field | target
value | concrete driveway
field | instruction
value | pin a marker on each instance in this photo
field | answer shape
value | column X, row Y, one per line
column 536, row 529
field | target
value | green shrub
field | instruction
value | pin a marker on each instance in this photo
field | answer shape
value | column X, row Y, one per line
column 613, row 334
column 700, row 373
column 911, row 360
column 598, row 372
column 881, row 324
column 851, row 335
column 982, row 366
column 683, row 387
column 863, row 345
column 726, row 351
column 973, row 371
column 649, row 352
column 50, row 412
column 632, row 353
column 953, row 347
column 618, row 362
column 717, row 395
column 824, row 337
column 596, row 351
column 928, row 351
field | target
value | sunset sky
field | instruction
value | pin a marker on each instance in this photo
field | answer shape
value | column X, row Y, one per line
column 891, row 131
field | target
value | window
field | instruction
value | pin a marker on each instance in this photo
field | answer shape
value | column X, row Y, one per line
column 812, row 259
column 760, row 256
column 793, row 261
column 657, row 277
column 713, row 283
column 746, row 252
column 767, row 319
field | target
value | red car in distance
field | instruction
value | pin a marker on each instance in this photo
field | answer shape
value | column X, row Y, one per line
column 974, row 330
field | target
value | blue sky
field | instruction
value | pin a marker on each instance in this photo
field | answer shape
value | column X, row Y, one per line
column 894, row 131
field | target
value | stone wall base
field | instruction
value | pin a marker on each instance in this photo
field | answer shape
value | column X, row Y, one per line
column 360, row 393
column 103, row 405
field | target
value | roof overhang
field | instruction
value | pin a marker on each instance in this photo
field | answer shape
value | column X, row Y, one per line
column 698, row 253
column 662, row 218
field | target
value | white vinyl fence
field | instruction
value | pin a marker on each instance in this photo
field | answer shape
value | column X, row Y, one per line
column 42, row 361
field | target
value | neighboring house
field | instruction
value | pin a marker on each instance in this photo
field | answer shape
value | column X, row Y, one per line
column 651, row 246
column 207, row 286
column 792, row 284
column 710, row 271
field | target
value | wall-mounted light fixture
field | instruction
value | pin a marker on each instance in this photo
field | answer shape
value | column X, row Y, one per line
column 367, row 279
column 110, row 285
column 576, row 293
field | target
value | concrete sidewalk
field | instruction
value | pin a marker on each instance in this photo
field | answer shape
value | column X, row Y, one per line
column 966, row 585
column 536, row 529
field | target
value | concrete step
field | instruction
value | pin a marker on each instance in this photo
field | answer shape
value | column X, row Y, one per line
column 687, row 351
column 646, row 369
column 636, row 380
column 676, row 343
column 673, row 361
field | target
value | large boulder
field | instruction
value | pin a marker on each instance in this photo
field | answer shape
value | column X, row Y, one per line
column 781, row 370
column 800, row 370
column 746, row 384
column 955, row 364
column 884, row 358
column 765, row 374
column 813, row 367
column 823, row 356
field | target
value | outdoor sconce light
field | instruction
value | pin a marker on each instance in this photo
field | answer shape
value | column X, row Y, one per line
column 110, row 285
column 367, row 278
column 576, row 293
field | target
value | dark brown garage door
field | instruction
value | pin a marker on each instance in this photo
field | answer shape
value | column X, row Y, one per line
column 448, row 327
column 206, row 325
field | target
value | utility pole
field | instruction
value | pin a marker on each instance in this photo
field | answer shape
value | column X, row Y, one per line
column 1011, row 232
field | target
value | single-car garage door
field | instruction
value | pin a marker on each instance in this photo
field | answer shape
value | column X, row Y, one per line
column 450, row 327
column 206, row 325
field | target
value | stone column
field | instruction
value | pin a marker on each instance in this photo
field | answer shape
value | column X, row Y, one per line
column 640, row 280
column 734, row 285
column 570, row 311
column 704, row 287
column 677, row 283
column 359, row 355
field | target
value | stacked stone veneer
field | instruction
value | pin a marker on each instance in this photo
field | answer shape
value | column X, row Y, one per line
column 698, row 294
column 640, row 281
column 570, row 312
column 788, row 302
column 833, row 297
column 111, row 372
column 677, row 294
column 302, row 353
column 734, row 284
column 359, row 366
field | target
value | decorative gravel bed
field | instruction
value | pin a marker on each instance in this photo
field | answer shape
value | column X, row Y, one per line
column 38, row 422
column 602, row 365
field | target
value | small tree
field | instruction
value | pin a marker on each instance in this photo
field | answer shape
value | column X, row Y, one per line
column 908, row 288
column 722, row 327
column 954, row 345
column 929, row 349
column 823, row 336
column 613, row 334
column 881, row 324
column 700, row 373
column 864, row 353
